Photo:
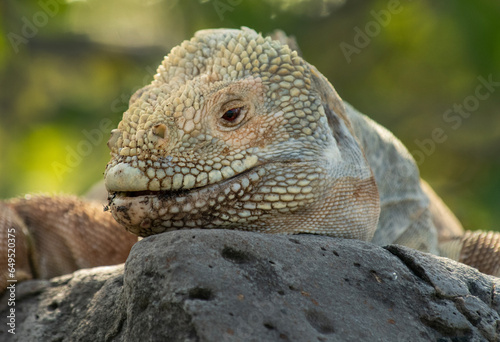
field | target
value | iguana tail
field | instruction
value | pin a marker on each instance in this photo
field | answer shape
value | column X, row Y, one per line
column 478, row 249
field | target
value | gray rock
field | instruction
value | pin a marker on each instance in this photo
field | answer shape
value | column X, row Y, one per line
column 222, row 285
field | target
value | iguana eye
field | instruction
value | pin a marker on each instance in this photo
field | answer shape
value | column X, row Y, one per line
column 232, row 115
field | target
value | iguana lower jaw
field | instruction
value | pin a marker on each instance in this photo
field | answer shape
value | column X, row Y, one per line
column 274, row 198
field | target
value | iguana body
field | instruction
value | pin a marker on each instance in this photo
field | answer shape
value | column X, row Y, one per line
column 237, row 131
column 57, row 235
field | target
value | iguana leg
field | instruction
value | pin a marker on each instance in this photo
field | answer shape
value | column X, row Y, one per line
column 58, row 235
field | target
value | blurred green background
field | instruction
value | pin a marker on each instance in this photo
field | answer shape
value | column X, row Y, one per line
column 67, row 69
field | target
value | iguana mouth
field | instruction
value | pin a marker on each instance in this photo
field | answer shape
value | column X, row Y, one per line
column 161, row 193
column 172, row 194
column 147, row 212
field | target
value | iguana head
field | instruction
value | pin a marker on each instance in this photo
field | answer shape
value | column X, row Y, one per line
column 238, row 131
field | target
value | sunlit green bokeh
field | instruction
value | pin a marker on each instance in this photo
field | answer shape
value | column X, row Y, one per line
column 78, row 62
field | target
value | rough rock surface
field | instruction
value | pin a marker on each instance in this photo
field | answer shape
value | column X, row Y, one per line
column 222, row 285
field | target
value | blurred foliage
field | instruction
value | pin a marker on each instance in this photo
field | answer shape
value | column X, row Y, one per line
column 67, row 70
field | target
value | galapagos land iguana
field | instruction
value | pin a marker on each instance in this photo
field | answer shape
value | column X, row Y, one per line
column 238, row 131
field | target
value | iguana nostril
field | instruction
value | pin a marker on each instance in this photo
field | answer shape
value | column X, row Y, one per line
column 160, row 131
column 115, row 134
